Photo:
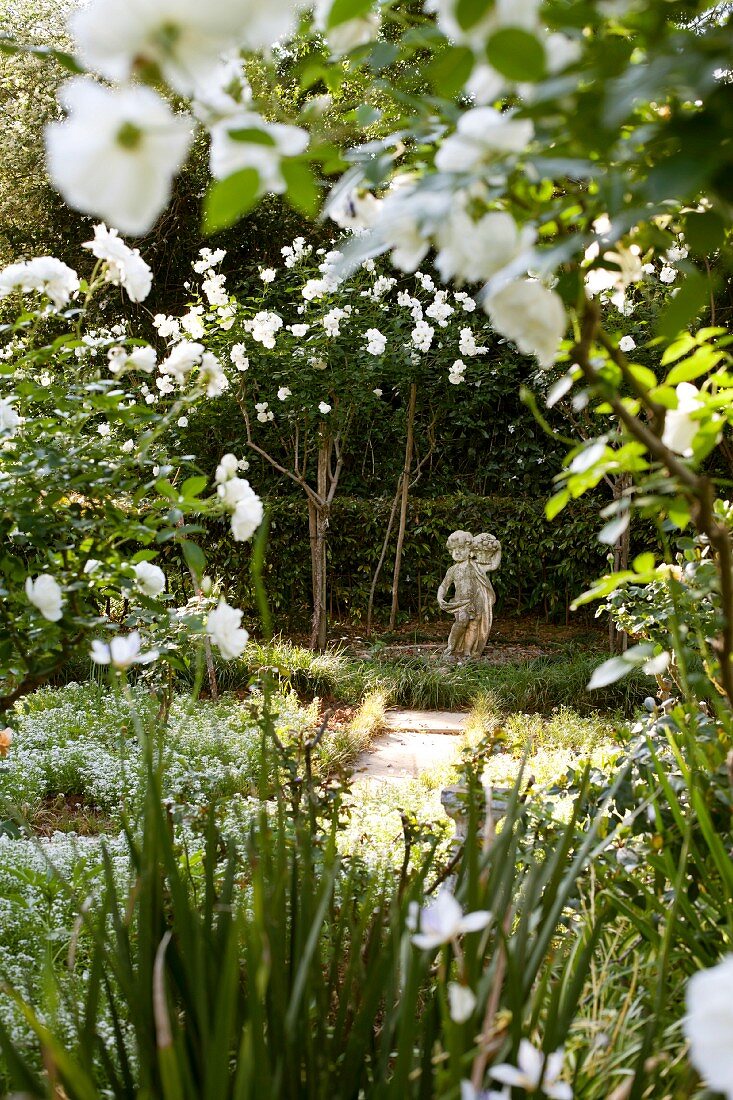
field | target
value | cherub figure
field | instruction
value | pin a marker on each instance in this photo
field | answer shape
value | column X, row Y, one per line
column 463, row 579
column 485, row 558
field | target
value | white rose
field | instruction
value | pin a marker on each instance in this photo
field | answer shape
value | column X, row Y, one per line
column 223, row 627
column 679, row 427
column 45, row 594
column 122, row 652
column 531, row 315
column 709, row 1024
column 324, row 408
column 627, row 343
column 247, row 517
column 150, row 578
column 9, row 419
column 481, row 134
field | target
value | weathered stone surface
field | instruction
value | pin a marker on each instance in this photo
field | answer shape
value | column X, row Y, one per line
column 472, row 603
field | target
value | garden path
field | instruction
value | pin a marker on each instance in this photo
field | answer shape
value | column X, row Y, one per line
column 412, row 742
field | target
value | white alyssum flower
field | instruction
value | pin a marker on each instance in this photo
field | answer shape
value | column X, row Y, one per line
column 708, row 1025
column 122, row 651
column 533, row 1071
column 149, row 578
column 627, row 343
column 223, row 626
column 268, row 274
column 679, row 427
column 230, row 154
column 42, row 275
column 531, row 315
column 443, row 920
column 473, row 250
column 324, row 408
column 124, row 266
column 482, row 134
column 116, row 153
column 284, row 393
column 376, row 341
column 238, row 356
column 461, row 1001
column 45, row 594
column 9, row 419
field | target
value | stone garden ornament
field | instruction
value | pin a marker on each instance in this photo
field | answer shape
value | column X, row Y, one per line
column 472, row 603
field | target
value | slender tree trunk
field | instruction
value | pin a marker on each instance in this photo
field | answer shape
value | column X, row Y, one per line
column 409, row 444
column 210, row 670
column 382, row 556
column 319, row 629
column 618, row 640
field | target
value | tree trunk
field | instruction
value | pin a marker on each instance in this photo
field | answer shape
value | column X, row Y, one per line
column 409, row 444
column 318, row 516
column 382, row 556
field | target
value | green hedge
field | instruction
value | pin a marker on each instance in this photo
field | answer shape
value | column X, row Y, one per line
column 544, row 564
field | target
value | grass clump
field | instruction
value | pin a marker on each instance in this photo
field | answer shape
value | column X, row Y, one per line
column 538, row 685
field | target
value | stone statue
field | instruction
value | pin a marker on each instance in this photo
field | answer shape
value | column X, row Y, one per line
column 473, row 597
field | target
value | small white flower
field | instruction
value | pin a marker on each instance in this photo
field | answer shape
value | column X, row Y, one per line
column 212, row 376
column 44, row 275
column 45, row 594
column 377, row 392
column 239, row 358
column 128, row 445
column 227, row 468
column 124, row 266
column 122, row 651
column 284, row 393
column 324, row 408
column 667, row 274
column 627, row 343
column 224, row 629
column 708, row 1024
column 247, row 517
column 150, row 578
column 117, row 152
column 267, row 274
column 443, row 920
column 182, row 422
column 528, row 1073
column 461, row 1001
column 376, row 341
column 299, row 330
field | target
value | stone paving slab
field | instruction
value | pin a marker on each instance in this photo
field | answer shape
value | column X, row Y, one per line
column 406, row 754
column 427, row 721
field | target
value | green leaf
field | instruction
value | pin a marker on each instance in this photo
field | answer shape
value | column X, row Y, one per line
column 450, row 70
column 194, row 556
column 252, row 135
column 679, row 512
column 192, row 486
column 516, row 54
column 685, row 305
column 229, row 199
column 468, row 12
column 344, row 10
column 704, row 233
column 303, row 191
column 382, row 55
column 556, row 503
column 703, row 360
column 643, row 563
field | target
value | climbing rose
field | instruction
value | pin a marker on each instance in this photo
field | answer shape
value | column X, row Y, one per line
column 123, row 266
column 150, row 578
column 45, row 594
column 708, row 1025
column 224, row 630
column 531, row 315
column 116, row 152
column 679, row 427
